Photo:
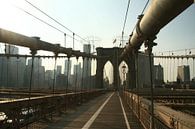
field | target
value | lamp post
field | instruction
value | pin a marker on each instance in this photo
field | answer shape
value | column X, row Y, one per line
column 124, row 71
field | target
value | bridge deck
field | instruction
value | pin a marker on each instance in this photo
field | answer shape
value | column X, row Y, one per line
column 104, row 112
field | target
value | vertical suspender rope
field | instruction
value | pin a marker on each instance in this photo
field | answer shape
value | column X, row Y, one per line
column 163, row 65
column 33, row 52
column 187, row 65
column 193, row 68
column 92, row 71
column 7, row 70
column 178, row 60
column 64, row 39
column 82, row 81
column 181, row 60
column 91, row 84
column 25, row 69
column 170, row 69
column 73, row 40
column 76, row 79
column 152, row 101
column 87, row 76
column 150, row 45
column 48, row 80
column 2, row 70
column 177, row 67
column 167, row 68
column 90, row 77
column 54, row 80
column 17, row 61
column 38, row 86
column 67, row 83
column 173, row 69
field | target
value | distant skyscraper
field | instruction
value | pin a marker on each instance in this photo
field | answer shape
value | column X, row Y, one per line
column 38, row 73
column 143, row 65
column 59, row 70
column 78, row 70
column 10, row 49
column 87, row 62
column 183, row 73
column 158, row 74
column 66, row 66
column 37, row 62
column 12, row 68
column 87, row 48
column 49, row 78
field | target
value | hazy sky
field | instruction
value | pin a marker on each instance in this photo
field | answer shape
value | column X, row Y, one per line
column 100, row 18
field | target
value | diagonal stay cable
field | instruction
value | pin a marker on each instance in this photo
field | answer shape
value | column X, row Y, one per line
column 125, row 20
column 145, row 7
column 44, row 22
column 54, row 20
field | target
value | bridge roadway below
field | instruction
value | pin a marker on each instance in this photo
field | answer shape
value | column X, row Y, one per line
column 104, row 112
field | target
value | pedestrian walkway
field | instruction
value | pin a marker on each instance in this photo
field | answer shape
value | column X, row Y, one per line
column 104, row 112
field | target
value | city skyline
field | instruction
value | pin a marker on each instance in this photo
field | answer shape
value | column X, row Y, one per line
column 178, row 32
column 141, row 76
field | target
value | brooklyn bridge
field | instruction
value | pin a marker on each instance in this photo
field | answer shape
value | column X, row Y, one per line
column 47, row 85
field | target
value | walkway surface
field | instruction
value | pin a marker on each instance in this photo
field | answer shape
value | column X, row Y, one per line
column 104, row 112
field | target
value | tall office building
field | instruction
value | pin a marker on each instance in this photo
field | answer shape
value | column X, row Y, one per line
column 38, row 77
column 87, row 48
column 59, row 70
column 77, row 74
column 143, row 65
column 87, row 62
column 67, row 69
column 11, row 68
column 10, row 49
column 158, row 74
column 49, row 78
column 183, row 73
column 37, row 62
column 77, row 70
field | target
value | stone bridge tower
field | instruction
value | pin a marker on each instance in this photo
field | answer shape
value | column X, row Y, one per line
column 113, row 55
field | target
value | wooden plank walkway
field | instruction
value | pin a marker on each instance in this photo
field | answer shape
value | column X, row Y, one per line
column 104, row 112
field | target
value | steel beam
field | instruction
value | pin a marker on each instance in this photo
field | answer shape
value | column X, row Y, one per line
column 159, row 14
column 35, row 43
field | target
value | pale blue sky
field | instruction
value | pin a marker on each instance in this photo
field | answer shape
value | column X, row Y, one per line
column 100, row 18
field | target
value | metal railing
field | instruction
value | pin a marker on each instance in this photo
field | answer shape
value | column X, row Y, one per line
column 21, row 112
column 142, row 110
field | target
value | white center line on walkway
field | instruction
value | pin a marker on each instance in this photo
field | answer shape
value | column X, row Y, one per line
column 92, row 119
column 125, row 116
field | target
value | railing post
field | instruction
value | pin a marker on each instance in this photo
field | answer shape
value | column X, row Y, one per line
column 66, row 90
column 150, row 44
column 33, row 52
